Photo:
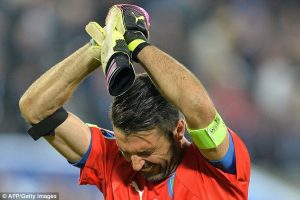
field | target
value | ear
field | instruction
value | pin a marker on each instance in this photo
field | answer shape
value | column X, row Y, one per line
column 179, row 130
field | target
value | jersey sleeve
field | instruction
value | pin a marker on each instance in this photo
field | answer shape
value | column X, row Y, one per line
column 99, row 164
column 240, row 180
column 242, row 159
column 213, row 179
column 227, row 163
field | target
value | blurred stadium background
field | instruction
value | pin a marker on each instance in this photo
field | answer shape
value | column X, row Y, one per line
column 246, row 53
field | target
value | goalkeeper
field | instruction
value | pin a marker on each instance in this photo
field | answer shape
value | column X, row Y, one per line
column 146, row 156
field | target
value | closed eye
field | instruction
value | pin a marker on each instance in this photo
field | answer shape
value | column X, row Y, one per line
column 141, row 154
column 144, row 153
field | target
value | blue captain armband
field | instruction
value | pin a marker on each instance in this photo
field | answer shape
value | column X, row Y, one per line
column 210, row 137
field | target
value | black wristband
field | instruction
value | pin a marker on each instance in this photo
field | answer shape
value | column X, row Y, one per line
column 137, row 51
column 47, row 126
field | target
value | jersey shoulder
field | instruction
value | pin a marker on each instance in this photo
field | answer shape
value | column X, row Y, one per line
column 107, row 134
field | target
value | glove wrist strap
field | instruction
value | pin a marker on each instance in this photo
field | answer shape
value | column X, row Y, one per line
column 133, row 44
column 137, row 50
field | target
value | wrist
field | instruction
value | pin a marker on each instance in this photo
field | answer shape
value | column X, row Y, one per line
column 137, row 50
column 94, row 50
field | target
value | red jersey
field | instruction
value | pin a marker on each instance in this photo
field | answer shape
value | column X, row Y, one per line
column 194, row 178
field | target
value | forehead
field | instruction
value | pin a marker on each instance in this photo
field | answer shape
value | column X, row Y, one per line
column 138, row 141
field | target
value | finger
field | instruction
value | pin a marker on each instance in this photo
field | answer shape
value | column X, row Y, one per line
column 95, row 31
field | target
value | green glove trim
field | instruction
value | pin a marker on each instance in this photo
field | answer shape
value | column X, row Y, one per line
column 133, row 44
column 211, row 136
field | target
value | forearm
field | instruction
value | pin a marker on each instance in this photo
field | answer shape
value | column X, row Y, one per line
column 55, row 86
column 179, row 86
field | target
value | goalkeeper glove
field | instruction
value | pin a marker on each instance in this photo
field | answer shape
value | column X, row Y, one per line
column 97, row 33
column 133, row 22
column 115, row 59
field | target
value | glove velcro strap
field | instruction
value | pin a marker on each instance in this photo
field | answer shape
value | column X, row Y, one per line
column 47, row 126
column 137, row 50
column 136, row 41
column 133, row 44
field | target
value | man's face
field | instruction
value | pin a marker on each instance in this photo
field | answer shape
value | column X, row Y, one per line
column 149, row 152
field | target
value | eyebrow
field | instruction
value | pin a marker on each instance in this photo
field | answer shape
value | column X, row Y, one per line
column 142, row 137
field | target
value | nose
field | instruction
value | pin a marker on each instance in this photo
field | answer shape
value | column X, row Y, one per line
column 137, row 162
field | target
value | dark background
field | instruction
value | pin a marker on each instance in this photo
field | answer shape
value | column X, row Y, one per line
column 246, row 53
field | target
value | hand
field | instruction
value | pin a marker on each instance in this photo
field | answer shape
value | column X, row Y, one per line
column 133, row 22
column 115, row 57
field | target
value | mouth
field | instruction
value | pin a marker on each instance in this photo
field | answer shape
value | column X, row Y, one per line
column 153, row 173
column 150, row 169
column 147, row 168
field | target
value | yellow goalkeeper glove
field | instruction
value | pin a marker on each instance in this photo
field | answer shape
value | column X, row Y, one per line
column 115, row 57
column 133, row 23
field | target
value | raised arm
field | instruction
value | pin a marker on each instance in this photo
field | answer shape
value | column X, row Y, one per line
column 50, row 92
column 179, row 86
column 175, row 82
